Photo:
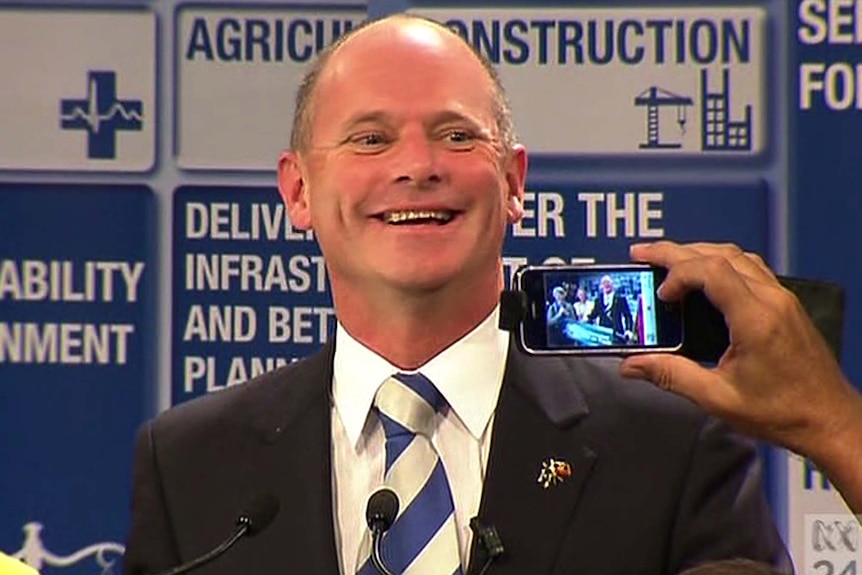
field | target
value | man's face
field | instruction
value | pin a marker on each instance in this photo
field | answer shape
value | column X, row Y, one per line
column 405, row 182
column 607, row 285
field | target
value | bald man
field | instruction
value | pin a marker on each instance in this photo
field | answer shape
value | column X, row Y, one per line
column 403, row 161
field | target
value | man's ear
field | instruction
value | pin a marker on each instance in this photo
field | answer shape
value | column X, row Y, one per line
column 293, row 190
column 516, row 176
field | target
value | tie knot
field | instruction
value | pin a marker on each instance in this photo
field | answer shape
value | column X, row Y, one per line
column 409, row 400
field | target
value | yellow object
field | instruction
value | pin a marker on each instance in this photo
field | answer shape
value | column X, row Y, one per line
column 12, row 566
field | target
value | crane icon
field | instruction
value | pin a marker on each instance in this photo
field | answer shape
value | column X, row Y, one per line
column 654, row 98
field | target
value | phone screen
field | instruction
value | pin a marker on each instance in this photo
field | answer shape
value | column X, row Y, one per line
column 598, row 309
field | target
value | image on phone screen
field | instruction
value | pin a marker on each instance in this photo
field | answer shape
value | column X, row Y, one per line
column 609, row 308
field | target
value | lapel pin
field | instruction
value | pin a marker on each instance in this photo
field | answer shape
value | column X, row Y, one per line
column 554, row 471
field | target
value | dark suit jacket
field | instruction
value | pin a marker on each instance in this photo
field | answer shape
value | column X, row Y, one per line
column 656, row 486
column 618, row 317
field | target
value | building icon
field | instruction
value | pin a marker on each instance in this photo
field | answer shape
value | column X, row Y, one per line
column 719, row 133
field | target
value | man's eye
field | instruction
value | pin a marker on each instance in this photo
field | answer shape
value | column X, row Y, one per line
column 459, row 136
column 459, row 139
column 369, row 140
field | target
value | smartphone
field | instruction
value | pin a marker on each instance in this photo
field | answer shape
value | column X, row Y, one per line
column 596, row 310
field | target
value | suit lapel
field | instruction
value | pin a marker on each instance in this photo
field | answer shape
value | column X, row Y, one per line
column 292, row 420
column 536, row 420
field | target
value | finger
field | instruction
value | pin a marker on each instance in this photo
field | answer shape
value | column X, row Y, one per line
column 747, row 263
column 669, row 254
column 758, row 269
column 728, row 291
column 706, row 267
column 679, row 375
column 662, row 253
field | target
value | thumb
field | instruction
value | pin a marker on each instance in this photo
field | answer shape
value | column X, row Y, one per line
column 677, row 374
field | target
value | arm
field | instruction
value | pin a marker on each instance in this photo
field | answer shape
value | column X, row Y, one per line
column 628, row 324
column 563, row 310
column 596, row 309
column 552, row 317
column 778, row 380
column 150, row 545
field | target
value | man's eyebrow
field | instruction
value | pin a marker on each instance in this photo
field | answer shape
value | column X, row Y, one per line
column 448, row 116
column 370, row 117
column 479, row 129
column 455, row 116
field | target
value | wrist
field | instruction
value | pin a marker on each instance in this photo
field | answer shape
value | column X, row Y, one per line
column 835, row 440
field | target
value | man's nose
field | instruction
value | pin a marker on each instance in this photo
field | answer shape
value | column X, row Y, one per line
column 417, row 161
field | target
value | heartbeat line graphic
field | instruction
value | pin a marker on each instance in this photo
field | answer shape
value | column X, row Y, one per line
column 94, row 119
column 101, row 114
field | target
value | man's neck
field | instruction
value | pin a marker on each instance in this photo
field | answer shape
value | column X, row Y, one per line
column 409, row 331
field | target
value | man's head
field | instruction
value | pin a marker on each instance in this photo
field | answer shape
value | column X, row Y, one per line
column 303, row 106
column 401, row 168
column 607, row 284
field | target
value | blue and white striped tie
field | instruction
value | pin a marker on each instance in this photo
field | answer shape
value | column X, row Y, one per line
column 423, row 539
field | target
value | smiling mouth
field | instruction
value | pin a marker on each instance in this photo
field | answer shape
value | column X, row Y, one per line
column 408, row 217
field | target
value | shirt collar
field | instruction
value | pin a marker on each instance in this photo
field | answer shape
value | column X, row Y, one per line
column 469, row 374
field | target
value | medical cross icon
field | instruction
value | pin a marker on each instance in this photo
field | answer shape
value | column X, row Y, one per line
column 101, row 114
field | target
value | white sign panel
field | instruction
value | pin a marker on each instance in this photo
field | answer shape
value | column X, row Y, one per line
column 824, row 537
column 640, row 81
column 81, row 94
column 237, row 74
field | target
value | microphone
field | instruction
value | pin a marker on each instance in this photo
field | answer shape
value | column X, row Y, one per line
column 489, row 541
column 256, row 517
column 380, row 513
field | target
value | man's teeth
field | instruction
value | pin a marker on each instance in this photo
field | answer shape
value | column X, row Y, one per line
column 414, row 215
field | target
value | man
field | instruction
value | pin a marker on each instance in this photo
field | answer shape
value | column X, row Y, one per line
column 778, row 380
column 612, row 310
column 404, row 164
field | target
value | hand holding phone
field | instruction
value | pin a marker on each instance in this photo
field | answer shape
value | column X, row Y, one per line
column 596, row 310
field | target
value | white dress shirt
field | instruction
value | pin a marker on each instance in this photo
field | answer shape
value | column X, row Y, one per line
column 469, row 374
column 608, row 299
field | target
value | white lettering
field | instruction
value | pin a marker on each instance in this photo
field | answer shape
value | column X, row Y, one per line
column 64, row 343
column 66, row 281
column 220, row 323
column 297, row 325
column 840, row 85
column 251, row 272
column 638, row 213
column 225, row 221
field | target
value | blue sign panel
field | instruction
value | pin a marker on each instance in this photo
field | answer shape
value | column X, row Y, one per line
column 76, row 357
column 584, row 223
column 826, row 201
column 249, row 290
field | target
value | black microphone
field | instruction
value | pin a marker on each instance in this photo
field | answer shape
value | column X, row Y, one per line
column 256, row 517
column 489, row 542
column 380, row 513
